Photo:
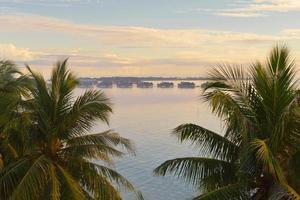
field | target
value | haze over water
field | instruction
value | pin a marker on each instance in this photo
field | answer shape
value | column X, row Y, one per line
column 147, row 116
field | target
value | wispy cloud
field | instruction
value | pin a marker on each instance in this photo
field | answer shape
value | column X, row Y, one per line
column 7, row 9
column 50, row 2
column 242, row 13
column 291, row 33
column 257, row 8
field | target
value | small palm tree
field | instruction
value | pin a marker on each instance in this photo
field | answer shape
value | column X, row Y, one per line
column 258, row 156
column 60, row 159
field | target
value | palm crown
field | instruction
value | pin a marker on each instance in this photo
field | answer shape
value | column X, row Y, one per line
column 58, row 155
column 257, row 156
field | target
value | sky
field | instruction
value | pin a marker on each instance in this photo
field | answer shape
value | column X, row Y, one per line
column 145, row 38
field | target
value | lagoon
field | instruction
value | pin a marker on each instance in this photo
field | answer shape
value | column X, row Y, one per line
column 147, row 116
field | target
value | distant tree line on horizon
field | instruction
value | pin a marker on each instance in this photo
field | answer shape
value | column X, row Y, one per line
column 135, row 79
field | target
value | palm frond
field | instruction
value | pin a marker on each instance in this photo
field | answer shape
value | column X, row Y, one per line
column 91, row 151
column 91, row 106
column 276, row 86
column 95, row 184
column 100, row 180
column 71, row 188
column 109, row 138
column 269, row 163
column 25, row 179
column 117, row 178
column 55, row 184
column 10, row 176
column 63, row 83
column 235, row 191
column 292, row 168
column 210, row 143
column 283, row 192
column 196, row 169
column 235, row 77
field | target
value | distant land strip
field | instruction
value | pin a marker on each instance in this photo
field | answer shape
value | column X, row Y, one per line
column 147, row 78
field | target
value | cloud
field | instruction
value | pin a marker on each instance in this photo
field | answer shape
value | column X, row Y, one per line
column 238, row 12
column 111, row 66
column 121, row 50
column 129, row 36
column 53, row 3
column 10, row 51
column 182, row 63
column 258, row 8
column 7, row 9
column 291, row 33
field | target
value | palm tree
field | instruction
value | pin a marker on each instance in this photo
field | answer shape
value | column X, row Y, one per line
column 60, row 158
column 13, row 86
column 258, row 156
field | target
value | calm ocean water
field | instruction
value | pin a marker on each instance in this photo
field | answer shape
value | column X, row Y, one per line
column 147, row 116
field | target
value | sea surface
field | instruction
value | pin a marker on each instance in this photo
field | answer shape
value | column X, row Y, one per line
column 147, row 116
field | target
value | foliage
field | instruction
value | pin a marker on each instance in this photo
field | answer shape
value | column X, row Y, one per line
column 258, row 155
column 46, row 128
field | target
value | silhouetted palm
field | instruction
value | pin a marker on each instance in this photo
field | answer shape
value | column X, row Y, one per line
column 258, row 156
column 60, row 159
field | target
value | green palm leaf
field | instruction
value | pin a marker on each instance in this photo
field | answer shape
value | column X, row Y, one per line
column 71, row 189
column 236, row 191
column 266, row 158
column 25, row 179
column 55, row 184
column 210, row 143
column 108, row 138
column 92, row 105
column 195, row 170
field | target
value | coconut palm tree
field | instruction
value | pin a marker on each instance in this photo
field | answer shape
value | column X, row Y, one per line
column 258, row 155
column 13, row 86
column 61, row 160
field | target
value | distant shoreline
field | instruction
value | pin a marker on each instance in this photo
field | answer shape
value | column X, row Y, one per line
column 134, row 79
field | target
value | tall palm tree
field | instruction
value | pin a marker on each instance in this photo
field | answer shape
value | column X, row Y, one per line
column 258, row 156
column 60, row 158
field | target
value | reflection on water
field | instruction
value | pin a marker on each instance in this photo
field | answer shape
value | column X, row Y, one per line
column 147, row 116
